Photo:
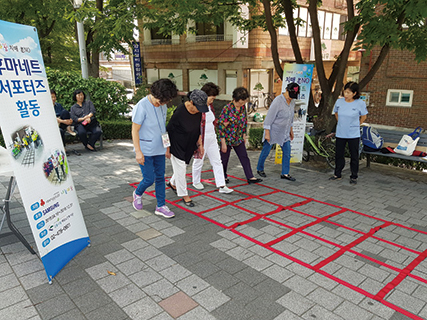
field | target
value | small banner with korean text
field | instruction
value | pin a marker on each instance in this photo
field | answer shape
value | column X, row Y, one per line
column 31, row 134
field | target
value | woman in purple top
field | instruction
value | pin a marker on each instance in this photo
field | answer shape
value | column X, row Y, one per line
column 232, row 127
column 350, row 113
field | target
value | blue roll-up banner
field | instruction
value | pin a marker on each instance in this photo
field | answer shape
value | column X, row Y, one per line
column 301, row 74
column 31, row 134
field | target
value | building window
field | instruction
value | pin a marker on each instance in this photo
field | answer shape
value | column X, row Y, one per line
column 399, row 98
column 159, row 38
column 207, row 31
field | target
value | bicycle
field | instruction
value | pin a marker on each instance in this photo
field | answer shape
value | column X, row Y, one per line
column 269, row 97
column 325, row 146
column 253, row 104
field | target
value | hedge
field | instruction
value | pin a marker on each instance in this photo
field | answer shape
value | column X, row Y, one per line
column 255, row 137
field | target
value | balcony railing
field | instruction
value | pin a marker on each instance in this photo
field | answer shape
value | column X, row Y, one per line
column 213, row 37
column 156, row 42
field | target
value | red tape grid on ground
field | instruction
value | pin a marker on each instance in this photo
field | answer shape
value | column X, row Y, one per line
column 342, row 249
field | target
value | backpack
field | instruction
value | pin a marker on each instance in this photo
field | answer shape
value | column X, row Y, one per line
column 371, row 139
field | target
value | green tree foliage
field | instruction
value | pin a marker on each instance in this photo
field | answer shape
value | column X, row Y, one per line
column 56, row 33
column 108, row 97
column 108, row 25
column 397, row 24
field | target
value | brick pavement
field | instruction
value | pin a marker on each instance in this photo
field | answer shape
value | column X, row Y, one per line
column 141, row 266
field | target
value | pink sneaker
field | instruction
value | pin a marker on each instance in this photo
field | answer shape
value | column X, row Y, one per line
column 137, row 201
column 164, row 211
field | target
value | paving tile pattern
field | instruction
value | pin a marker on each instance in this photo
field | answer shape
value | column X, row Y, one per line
column 139, row 265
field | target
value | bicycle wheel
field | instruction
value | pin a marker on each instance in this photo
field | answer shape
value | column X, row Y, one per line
column 306, row 151
column 267, row 102
column 250, row 107
column 255, row 105
column 329, row 148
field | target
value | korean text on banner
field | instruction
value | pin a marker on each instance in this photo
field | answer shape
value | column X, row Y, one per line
column 32, row 138
column 301, row 74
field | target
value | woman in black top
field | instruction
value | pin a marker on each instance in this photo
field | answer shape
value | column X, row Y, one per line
column 83, row 114
column 184, row 134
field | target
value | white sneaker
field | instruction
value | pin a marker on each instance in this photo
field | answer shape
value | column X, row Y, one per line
column 199, row 186
column 225, row 189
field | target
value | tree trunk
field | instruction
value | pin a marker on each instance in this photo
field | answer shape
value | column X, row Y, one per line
column 273, row 38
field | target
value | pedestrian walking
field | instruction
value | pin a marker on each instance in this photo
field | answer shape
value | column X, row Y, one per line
column 278, row 129
column 210, row 145
column 150, row 141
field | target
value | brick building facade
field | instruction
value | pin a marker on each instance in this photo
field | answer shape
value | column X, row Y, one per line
column 235, row 58
column 398, row 92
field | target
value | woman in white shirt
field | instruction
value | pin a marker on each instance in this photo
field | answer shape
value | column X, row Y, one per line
column 210, row 144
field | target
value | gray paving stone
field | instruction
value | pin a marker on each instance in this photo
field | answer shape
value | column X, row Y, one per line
column 110, row 311
column 80, row 287
column 258, row 263
column 210, row 298
column 92, row 300
column 348, row 310
column 113, row 282
column 410, row 303
column 278, row 273
column 54, row 307
column 325, row 299
column 145, row 277
column 73, row 314
column 318, row 312
column 143, row 309
column 160, row 290
column 101, row 270
column 192, row 285
column 8, row 281
column 196, row 314
column 127, row 295
column 296, row 303
column 135, row 244
column 20, row 310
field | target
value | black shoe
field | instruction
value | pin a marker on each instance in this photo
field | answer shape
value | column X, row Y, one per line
column 256, row 180
column 92, row 150
column 172, row 188
column 353, row 181
column 227, row 180
column 333, row 178
column 262, row 173
column 287, row 176
column 188, row 203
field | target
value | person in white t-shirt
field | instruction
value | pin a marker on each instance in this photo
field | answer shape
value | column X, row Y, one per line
column 210, row 144
column 350, row 113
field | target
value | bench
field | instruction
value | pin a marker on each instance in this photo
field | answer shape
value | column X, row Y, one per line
column 391, row 139
column 70, row 137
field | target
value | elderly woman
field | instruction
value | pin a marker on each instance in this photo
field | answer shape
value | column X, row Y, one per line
column 210, row 145
column 232, row 127
column 278, row 129
column 83, row 115
column 350, row 113
column 148, row 136
column 185, row 138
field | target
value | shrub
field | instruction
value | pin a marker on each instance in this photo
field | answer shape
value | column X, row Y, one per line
column 117, row 129
column 108, row 97
column 255, row 137
column 140, row 93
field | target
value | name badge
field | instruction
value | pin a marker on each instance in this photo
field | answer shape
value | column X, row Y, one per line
column 165, row 140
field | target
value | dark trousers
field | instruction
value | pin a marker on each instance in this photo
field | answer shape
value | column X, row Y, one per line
column 93, row 128
column 353, row 146
column 243, row 157
column 65, row 115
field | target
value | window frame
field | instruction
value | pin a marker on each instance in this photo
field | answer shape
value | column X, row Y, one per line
column 400, row 103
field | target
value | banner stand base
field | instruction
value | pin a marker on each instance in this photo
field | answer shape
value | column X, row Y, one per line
column 6, row 214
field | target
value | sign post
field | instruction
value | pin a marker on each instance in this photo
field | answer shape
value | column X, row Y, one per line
column 38, row 159
column 301, row 74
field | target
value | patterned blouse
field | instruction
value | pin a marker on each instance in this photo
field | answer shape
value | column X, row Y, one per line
column 237, row 126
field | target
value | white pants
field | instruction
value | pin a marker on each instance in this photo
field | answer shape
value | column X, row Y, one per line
column 212, row 151
column 178, row 178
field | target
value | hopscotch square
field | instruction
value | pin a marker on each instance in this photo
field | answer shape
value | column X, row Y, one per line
column 203, row 203
column 257, row 206
column 356, row 221
column 411, row 239
column 262, row 230
column 254, row 189
column 291, row 219
column 317, row 209
column 228, row 215
column 334, row 234
column 283, row 199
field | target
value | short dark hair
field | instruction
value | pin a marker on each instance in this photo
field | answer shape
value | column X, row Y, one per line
column 75, row 93
column 354, row 87
column 52, row 92
column 164, row 90
column 240, row 93
column 211, row 89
